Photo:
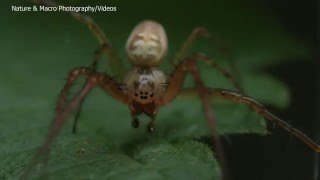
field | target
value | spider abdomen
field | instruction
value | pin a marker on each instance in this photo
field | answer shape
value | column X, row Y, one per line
column 147, row 44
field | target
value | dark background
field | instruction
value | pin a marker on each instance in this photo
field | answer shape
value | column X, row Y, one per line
column 301, row 19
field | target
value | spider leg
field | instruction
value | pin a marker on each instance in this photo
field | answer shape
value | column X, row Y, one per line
column 59, row 120
column 104, row 48
column 258, row 108
column 115, row 63
column 62, row 111
column 189, row 65
column 103, row 81
column 63, row 99
column 213, row 64
column 97, row 55
column 201, row 32
column 77, row 116
column 197, row 33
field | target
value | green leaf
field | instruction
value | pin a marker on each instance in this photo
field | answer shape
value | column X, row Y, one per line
column 41, row 47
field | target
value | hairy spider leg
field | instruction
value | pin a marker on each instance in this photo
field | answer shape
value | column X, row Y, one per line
column 59, row 120
column 211, row 62
column 197, row 33
column 77, row 115
column 97, row 56
column 104, row 81
column 93, row 78
column 201, row 32
column 258, row 108
column 63, row 99
column 114, row 60
column 189, row 65
column 117, row 67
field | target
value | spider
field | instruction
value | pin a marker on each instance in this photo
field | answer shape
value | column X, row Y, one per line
column 145, row 88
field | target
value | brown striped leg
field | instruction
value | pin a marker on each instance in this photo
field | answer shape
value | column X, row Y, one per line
column 59, row 120
column 97, row 56
column 104, row 81
column 62, row 101
column 175, row 84
column 212, row 63
column 64, row 108
column 87, row 72
column 197, row 33
column 201, row 32
column 105, row 47
column 65, row 92
column 257, row 107
column 77, row 116
column 115, row 63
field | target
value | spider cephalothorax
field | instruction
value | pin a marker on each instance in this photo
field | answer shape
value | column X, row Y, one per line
column 145, row 88
column 145, row 85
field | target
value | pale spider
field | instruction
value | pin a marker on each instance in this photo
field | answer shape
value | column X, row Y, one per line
column 145, row 88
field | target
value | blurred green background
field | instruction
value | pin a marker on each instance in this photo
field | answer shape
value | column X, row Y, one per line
column 39, row 48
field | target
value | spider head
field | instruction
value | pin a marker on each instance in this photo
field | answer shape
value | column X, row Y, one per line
column 147, row 44
column 144, row 85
